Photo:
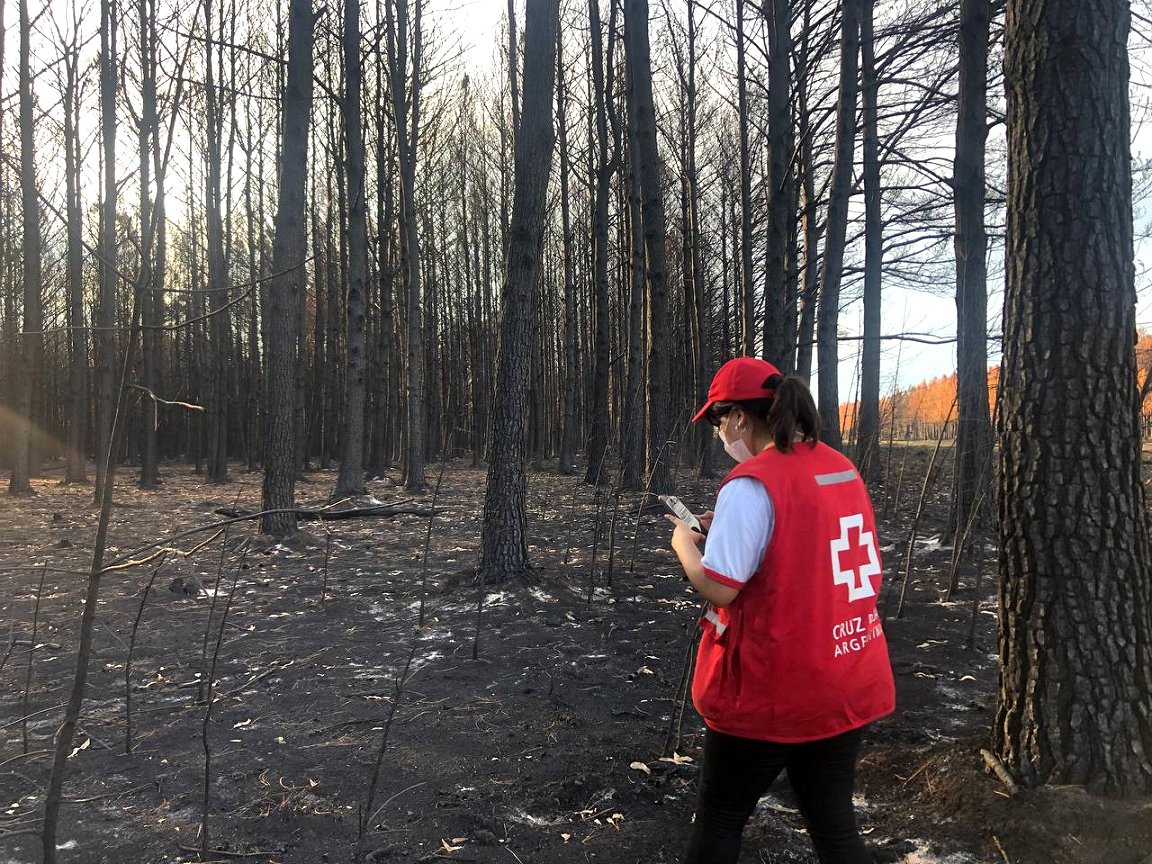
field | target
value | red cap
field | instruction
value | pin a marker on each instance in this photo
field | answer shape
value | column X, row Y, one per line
column 740, row 380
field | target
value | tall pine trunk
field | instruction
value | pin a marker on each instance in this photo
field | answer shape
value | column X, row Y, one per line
column 605, row 167
column 284, row 290
column 505, row 541
column 779, row 341
column 32, row 337
column 406, row 108
column 569, row 378
column 1075, row 700
column 106, row 307
column 633, row 416
column 255, row 273
column 828, row 352
column 146, row 289
column 694, row 276
column 973, row 467
column 809, row 278
column 386, row 404
column 77, row 332
column 747, row 284
column 220, row 323
column 868, row 428
column 351, row 478
column 655, row 252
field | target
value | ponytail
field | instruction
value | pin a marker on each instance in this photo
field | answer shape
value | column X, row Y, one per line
column 793, row 410
column 789, row 410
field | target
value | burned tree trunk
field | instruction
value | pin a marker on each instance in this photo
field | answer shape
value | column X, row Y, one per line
column 1075, row 701
column 351, row 478
column 32, row 337
column 406, row 111
column 283, row 291
column 779, row 341
column 106, row 306
column 868, row 428
column 152, row 300
column 655, row 252
column 605, row 167
column 505, row 549
column 77, row 332
column 973, row 467
column 827, row 350
column 747, row 284
column 220, row 325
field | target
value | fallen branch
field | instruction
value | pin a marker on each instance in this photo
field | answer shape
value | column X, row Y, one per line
column 173, row 538
column 998, row 768
column 20, row 832
column 175, row 404
column 1000, row 847
column 255, row 678
column 31, row 753
column 109, row 794
column 31, row 715
column 226, row 854
column 380, row 809
column 331, row 515
column 916, row 773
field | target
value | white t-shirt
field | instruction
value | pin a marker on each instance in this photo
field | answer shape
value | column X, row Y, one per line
column 741, row 528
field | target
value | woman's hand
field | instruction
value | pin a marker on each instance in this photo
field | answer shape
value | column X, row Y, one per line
column 706, row 519
column 684, row 537
column 686, row 544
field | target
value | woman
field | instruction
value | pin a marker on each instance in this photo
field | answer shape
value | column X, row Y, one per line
column 792, row 663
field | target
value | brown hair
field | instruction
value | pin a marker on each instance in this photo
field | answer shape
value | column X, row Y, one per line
column 789, row 411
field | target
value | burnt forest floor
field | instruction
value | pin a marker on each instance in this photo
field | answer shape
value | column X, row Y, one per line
column 534, row 723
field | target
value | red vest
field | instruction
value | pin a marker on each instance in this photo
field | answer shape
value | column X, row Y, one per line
column 800, row 653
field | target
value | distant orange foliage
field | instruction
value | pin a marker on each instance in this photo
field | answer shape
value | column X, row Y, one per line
column 1143, row 364
column 921, row 410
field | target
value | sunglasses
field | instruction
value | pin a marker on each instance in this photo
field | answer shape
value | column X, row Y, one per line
column 717, row 412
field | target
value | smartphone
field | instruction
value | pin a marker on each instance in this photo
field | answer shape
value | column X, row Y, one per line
column 677, row 508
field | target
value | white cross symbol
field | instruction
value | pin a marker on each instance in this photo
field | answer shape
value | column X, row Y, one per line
column 859, row 582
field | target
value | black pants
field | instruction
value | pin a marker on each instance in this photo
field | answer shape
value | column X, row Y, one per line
column 737, row 771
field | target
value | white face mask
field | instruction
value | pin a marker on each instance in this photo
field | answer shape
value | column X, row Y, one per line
column 737, row 449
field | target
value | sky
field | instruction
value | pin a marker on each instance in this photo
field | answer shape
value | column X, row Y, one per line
column 478, row 22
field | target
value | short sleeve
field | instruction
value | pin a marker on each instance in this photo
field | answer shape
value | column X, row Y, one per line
column 741, row 529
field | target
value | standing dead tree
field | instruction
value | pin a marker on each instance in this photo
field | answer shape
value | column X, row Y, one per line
column 605, row 167
column 351, row 478
column 106, row 305
column 973, row 423
column 405, row 88
column 655, row 239
column 505, row 542
column 828, row 355
column 283, row 294
column 779, row 299
column 31, row 339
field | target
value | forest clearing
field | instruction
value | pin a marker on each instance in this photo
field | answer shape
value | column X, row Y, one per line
column 530, row 748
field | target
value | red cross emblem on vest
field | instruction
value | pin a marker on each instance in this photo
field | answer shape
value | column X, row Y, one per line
column 854, row 558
